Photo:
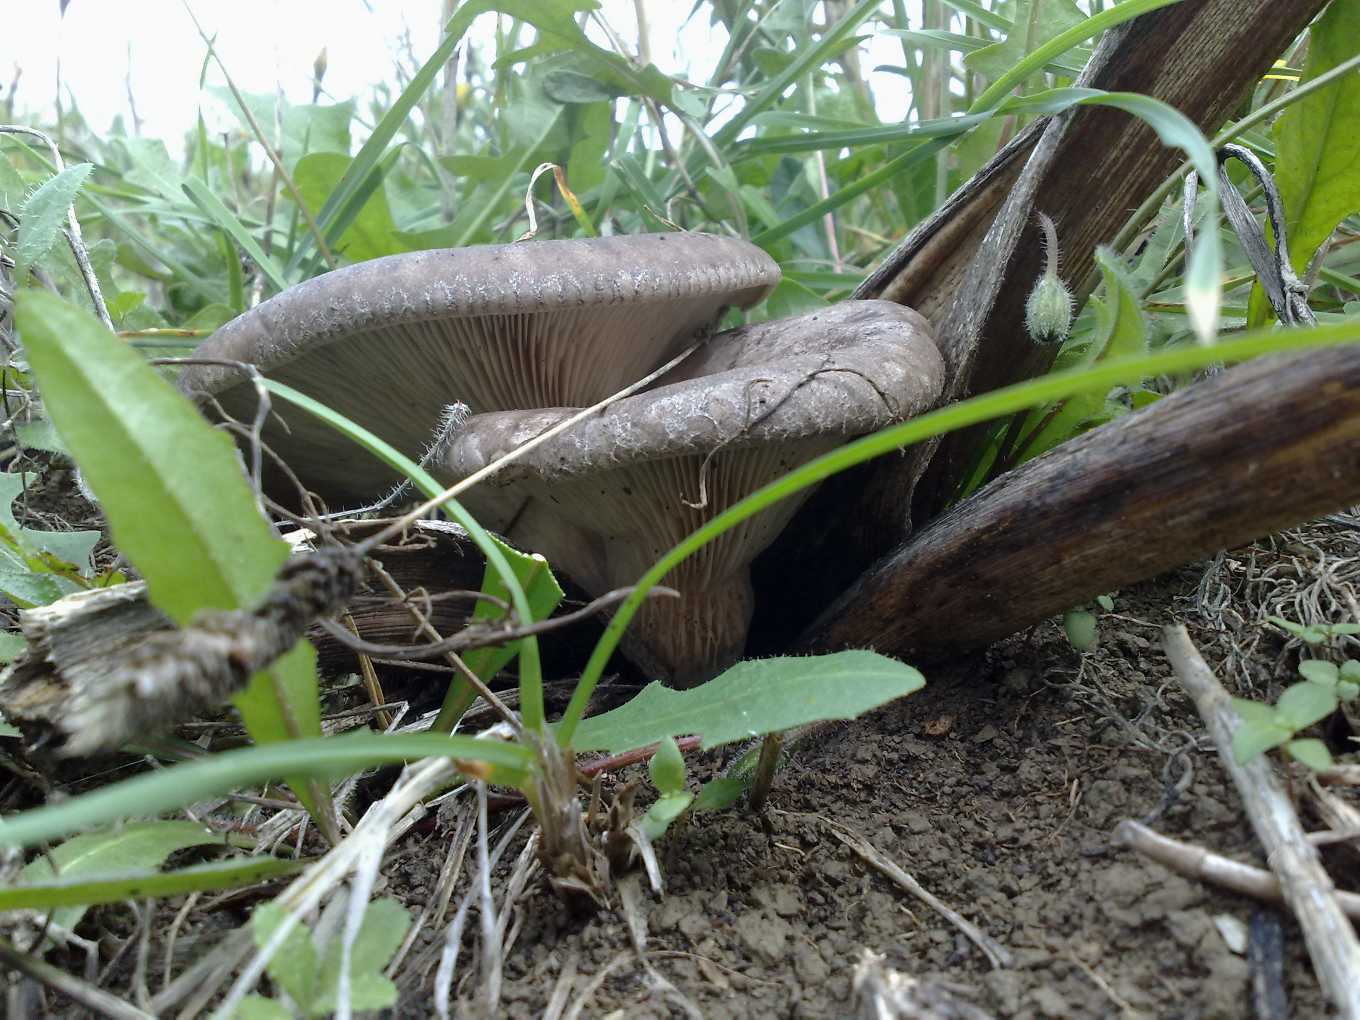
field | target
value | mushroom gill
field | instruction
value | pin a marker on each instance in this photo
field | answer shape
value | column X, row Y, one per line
column 604, row 499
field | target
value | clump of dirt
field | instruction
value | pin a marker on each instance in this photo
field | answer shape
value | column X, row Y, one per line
column 997, row 788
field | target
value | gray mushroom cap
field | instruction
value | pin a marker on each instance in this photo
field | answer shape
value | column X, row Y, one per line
column 605, row 498
column 392, row 341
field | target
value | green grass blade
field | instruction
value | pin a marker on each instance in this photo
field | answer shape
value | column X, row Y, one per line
column 1061, row 43
column 495, row 551
column 181, row 785
column 212, row 207
column 807, row 60
column 76, row 894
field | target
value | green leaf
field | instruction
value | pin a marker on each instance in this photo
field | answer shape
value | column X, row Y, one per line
column 1036, row 22
column 754, row 698
column 136, row 846
column 179, row 785
column 566, row 86
column 665, row 811
column 12, row 646
column 170, row 484
column 1310, row 752
column 667, row 767
column 74, row 895
column 172, row 489
column 293, row 966
column 40, row 435
column 1350, row 670
column 152, row 168
column 72, row 547
column 1083, row 632
column 380, row 933
column 718, row 794
column 43, row 215
column 1320, row 672
column 257, row 1007
column 1304, row 704
column 1105, row 602
column 372, row 232
column 1255, row 737
column 1318, row 139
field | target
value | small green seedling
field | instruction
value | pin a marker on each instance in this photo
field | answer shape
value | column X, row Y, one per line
column 1325, row 686
column 1081, row 625
column 308, row 974
column 1316, row 633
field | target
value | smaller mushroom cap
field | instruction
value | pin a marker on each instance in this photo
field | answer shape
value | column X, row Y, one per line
column 392, row 341
column 606, row 498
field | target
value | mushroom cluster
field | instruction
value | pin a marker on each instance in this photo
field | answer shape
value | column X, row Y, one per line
column 527, row 335
column 391, row 342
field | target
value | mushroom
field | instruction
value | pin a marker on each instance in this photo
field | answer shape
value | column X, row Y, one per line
column 606, row 497
column 391, row 342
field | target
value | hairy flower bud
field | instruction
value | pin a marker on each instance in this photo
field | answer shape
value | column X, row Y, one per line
column 1048, row 311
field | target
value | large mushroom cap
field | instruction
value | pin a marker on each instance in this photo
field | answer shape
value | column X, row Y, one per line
column 391, row 342
column 605, row 498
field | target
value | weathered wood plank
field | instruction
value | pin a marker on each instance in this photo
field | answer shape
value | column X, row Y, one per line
column 1263, row 446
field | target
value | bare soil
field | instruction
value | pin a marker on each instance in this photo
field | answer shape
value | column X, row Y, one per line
column 997, row 788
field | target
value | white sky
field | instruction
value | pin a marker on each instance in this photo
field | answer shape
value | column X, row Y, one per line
column 268, row 43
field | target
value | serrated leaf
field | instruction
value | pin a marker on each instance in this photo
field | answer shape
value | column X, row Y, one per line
column 1310, row 752
column 1318, row 139
column 1320, row 671
column 667, row 767
column 43, row 215
column 754, row 698
column 293, row 966
column 384, row 926
column 1082, row 629
column 40, row 435
column 172, row 489
column 662, row 813
column 1255, row 737
column 1304, row 704
column 1036, row 22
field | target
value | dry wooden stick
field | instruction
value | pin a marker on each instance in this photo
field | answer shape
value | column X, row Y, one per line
column 1307, row 888
column 1206, row 866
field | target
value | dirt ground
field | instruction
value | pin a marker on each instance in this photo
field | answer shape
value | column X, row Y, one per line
column 997, row 788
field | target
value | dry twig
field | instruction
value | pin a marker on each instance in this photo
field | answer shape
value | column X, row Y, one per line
column 1307, row 888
